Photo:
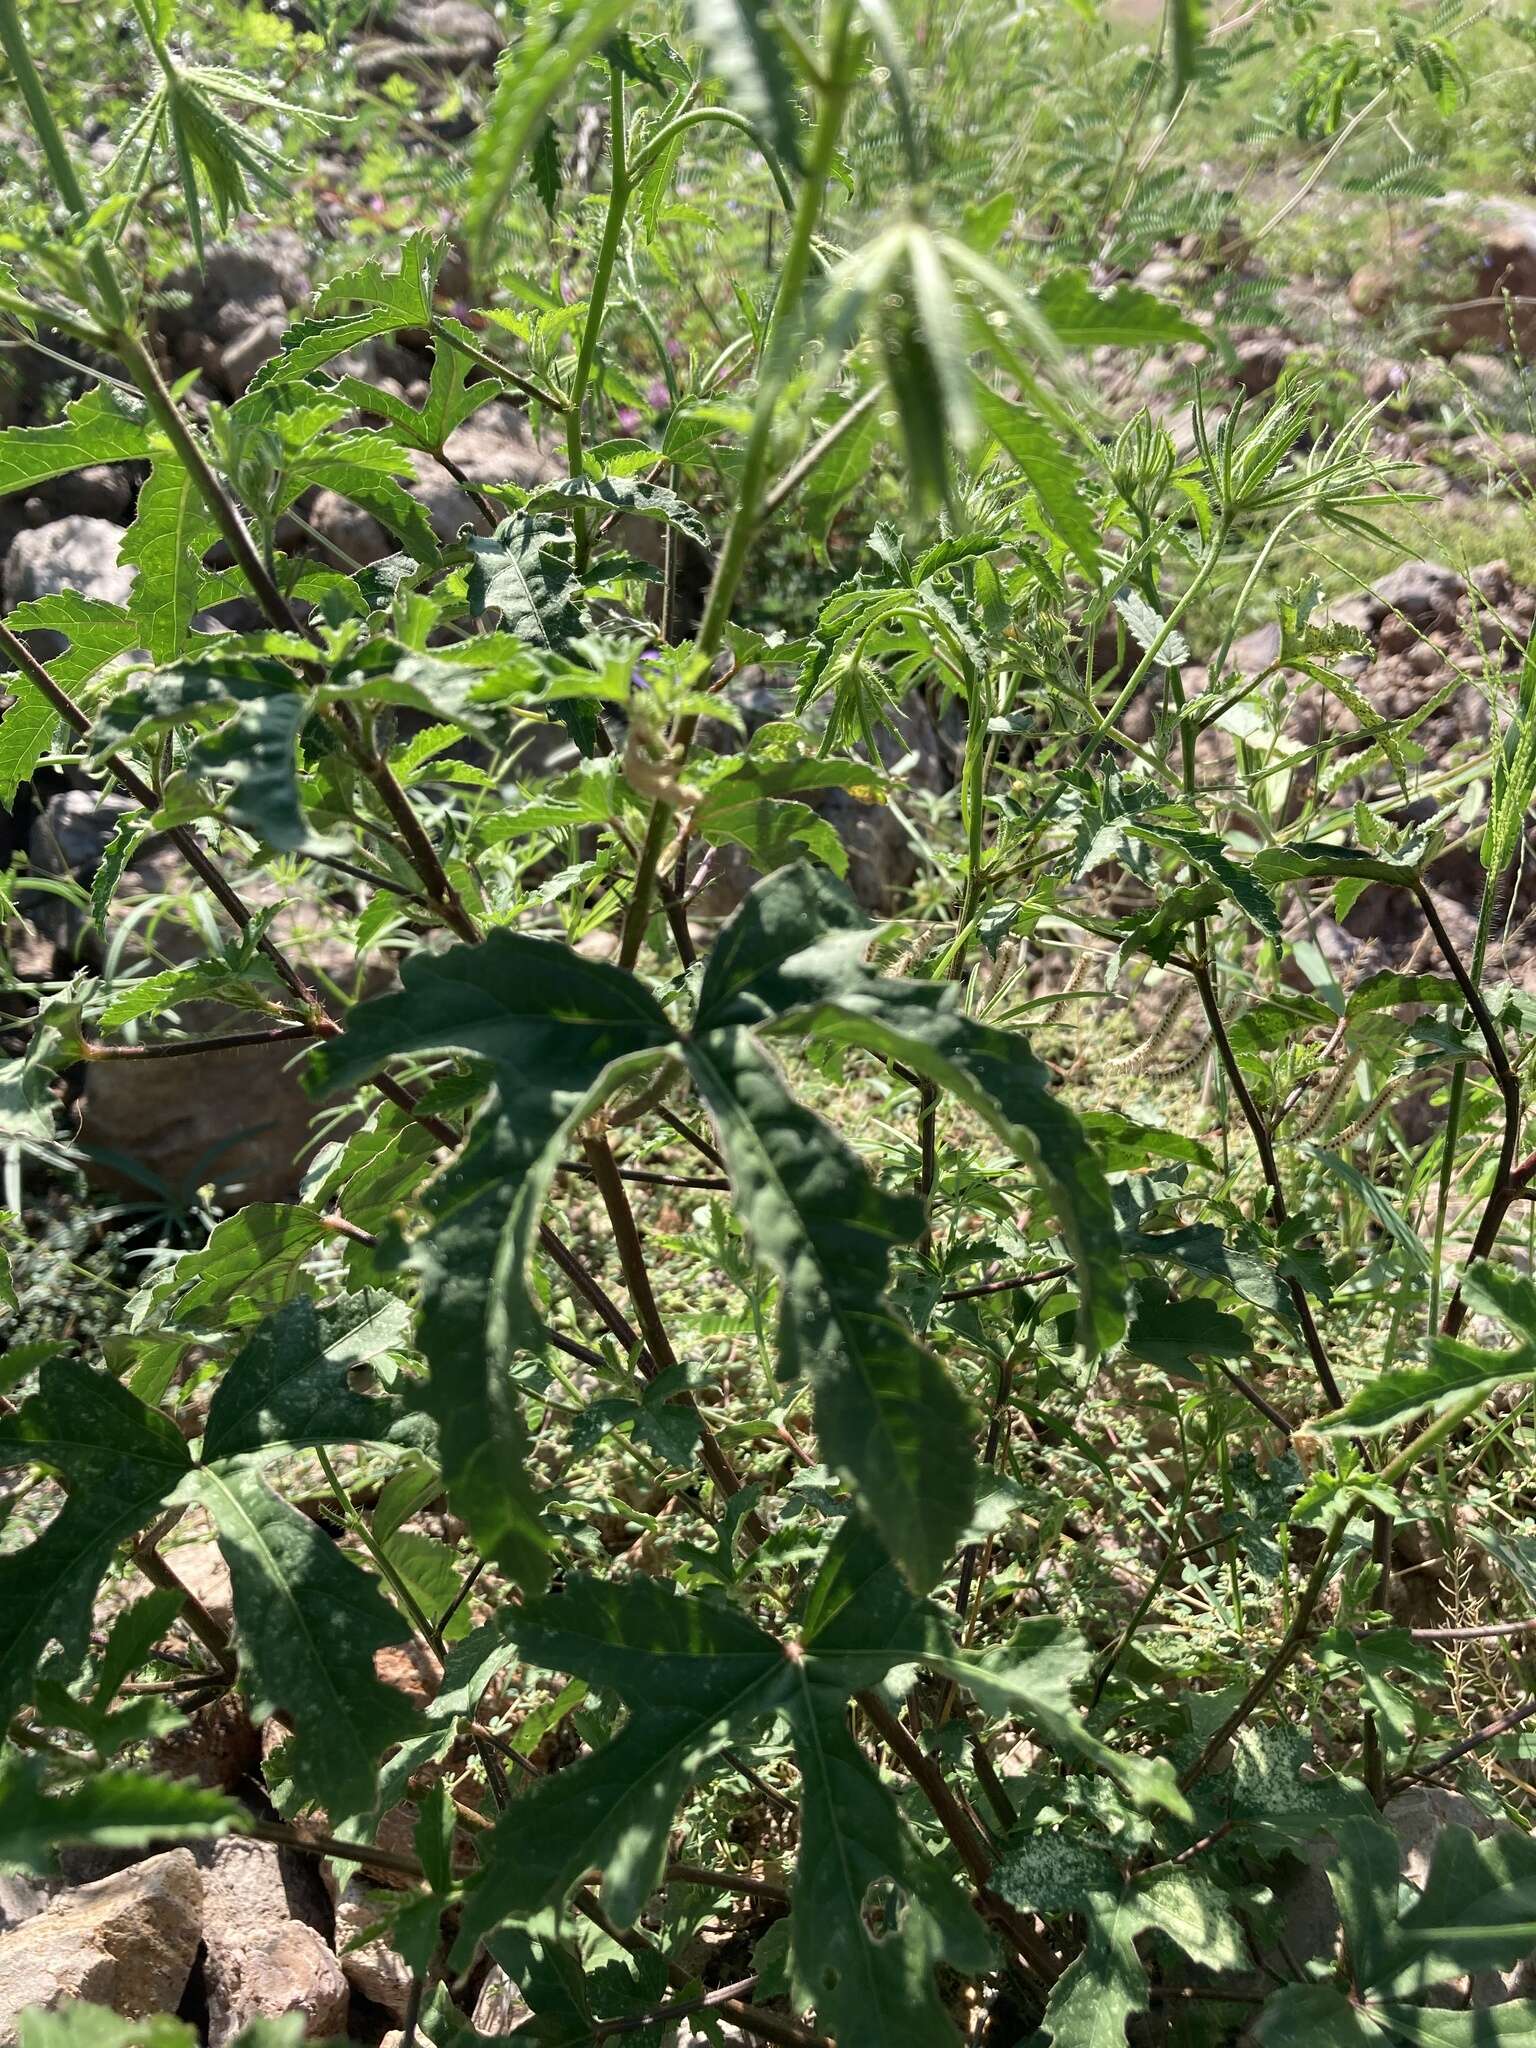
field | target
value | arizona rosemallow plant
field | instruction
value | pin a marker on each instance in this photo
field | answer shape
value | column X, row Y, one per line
column 964, row 1815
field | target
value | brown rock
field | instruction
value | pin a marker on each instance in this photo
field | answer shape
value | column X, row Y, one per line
column 261, row 1961
column 217, row 1746
column 127, row 1942
column 373, row 1968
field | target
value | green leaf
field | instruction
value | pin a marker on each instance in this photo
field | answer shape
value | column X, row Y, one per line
column 363, row 468
column 98, row 427
column 693, row 1673
column 1477, row 1912
column 1363, row 1878
column 518, row 573
column 1380, row 1204
column 289, row 1386
column 1186, row 32
column 537, row 1013
column 1171, row 1334
column 838, row 475
column 797, row 943
column 557, row 1031
column 1514, row 775
column 1047, row 468
column 1107, row 1985
column 1495, row 2026
column 307, row 1624
column 628, row 494
column 857, row 1864
column 119, row 1461
column 108, row 1810
column 554, row 45
column 749, row 804
column 1310, row 859
column 171, row 533
column 1315, row 2016
column 744, row 48
column 1123, row 316
column 1207, row 852
column 887, row 1417
column 1455, row 1369
column 26, row 733
column 307, row 345
column 406, row 292
column 117, row 853
column 78, row 2025
column 98, row 633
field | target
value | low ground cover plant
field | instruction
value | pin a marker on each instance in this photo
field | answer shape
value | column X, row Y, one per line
column 878, row 1409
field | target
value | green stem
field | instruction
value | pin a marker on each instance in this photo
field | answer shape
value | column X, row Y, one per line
column 780, row 351
column 1454, row 1109
column 725, row 117
column 597, row 302
column 360, row 1529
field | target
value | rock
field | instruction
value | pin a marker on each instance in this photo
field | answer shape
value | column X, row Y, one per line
column 1386, row 383
column 1425, row 593
column 239, row 1117
column 127, row 1942
column 205, row 316
column 261, row 1959
column 217, row 1746
column 104, row 490
column 1261, row 362
column 881, row 862
column 239, row 362
column 435, row 35
column 500, row 2006
column 19, row 1901
column 373, row 1967
column 75, row 553
column 202, row 1570
column 1475, row 263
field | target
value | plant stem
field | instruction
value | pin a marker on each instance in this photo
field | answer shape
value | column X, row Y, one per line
column 1290, row 1648
column 360, row 1529
column 631, row 1251
column 1505, row 1185
column 185, row 1048
column 779, row 352
column 597, row 301
column 1253, row 1117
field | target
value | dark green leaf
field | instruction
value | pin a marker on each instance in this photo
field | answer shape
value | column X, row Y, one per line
column 108, row 1810
column 307, row 1624
column 289, row 1387
column 887, row 1417
column 119, row 1461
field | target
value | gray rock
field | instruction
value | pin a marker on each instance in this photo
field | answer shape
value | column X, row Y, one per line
column 243, row 357
column 1424, row 593
column 75, row 553
column 881, row 858
column 71, row 832
column 1261, row 362
column 435, row 35
column 127, row 1942
column 500, row 2006
column 103, row 490
column 373, row 1968
column 19, row 1901
column 260, row 1959
column 253, row 284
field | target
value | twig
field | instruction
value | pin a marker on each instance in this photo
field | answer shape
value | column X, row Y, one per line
column 1476, row 1740
column 186, row 1048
